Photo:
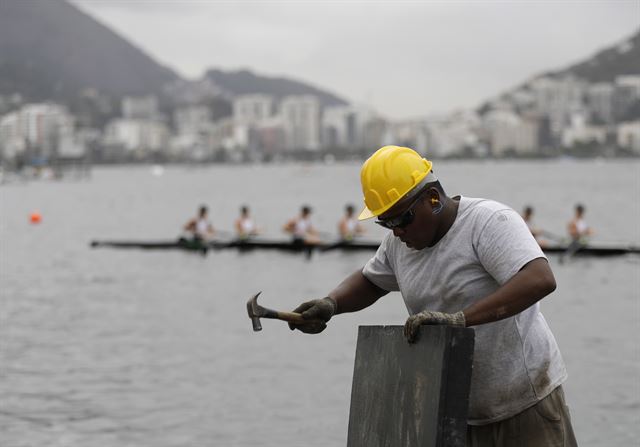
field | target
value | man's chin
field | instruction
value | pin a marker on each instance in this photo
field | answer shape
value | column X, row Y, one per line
column 415, row 245
column 410, row 245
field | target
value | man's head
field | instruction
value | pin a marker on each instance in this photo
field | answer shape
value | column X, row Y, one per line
column 244, row 210
column 579, row 210
column 202, row 212
column 400, row 189
column 305, row 211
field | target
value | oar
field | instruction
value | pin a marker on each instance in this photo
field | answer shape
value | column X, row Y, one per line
column 571, row 250
column 225, row 233
column 552, row 236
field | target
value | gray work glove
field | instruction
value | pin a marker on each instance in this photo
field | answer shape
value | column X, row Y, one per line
column 320, row 310
column 430, row 317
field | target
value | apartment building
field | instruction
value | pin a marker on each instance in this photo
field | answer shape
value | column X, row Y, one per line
column 301, row 122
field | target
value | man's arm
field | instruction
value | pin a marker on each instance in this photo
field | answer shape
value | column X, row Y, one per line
column 354, row 293
column 532, row 283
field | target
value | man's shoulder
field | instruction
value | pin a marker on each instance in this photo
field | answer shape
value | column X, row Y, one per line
column 481, row 203
column 390, row 244
column 477, row 213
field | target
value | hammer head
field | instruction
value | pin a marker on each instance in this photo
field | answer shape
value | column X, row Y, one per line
column 255, row 312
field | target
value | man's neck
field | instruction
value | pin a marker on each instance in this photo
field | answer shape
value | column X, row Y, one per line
column 448, row 217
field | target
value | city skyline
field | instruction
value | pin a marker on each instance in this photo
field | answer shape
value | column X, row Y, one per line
column 442, row 56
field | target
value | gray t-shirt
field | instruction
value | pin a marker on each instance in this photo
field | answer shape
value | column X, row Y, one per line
column 516, row 361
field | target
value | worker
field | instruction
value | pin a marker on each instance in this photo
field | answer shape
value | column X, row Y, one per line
column 200, row 228
column 349, row 227
column 245, row 226
column 462, row 261
column 301, row 228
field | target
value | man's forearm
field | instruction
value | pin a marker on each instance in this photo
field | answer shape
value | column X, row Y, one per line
column 355, row 293
column 528, row 286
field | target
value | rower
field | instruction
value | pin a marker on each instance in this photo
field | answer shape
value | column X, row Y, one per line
column 579, row 232
column 199, row 227
column 578, row 229
column 301, row 228
column 527, row 216
column 245, row 226
column 349, row 227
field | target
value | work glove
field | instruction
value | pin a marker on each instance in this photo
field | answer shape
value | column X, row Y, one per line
column 319, row 310
column 430, row 317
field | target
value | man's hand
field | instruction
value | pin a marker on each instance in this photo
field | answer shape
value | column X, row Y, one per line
column 320, row 310
column 430, row 317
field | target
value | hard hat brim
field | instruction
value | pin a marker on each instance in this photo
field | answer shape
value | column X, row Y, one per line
column 366, row 214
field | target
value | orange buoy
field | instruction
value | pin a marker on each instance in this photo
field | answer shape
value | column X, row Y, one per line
column 35, row 217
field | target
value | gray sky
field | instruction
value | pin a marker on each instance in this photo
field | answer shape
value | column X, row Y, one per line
column 405, row 58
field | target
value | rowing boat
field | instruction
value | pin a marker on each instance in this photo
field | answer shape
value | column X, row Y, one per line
column 240, row 244
column 357, row 245
column 593, row 250
column 180, row 244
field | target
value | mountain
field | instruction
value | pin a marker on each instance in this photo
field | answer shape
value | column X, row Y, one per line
column 242, row 82
column 49, row 49
column 620, row 59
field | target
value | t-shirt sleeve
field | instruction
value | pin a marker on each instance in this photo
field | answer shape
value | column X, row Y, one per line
column 505, row 244
column 379, row 270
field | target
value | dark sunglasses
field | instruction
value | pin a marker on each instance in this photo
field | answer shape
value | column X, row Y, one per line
column 403, row 219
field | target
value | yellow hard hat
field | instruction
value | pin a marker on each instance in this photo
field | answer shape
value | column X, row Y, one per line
column 388, row 175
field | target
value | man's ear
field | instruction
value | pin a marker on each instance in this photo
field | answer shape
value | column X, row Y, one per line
column 434, row 196
column 434, row 200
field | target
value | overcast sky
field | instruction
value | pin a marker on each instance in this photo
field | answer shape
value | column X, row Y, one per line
column 405, row 58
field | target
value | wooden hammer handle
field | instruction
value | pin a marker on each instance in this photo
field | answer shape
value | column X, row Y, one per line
column 293, row 317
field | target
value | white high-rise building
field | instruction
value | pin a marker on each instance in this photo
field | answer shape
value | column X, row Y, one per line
column 12, row 141
column 348, row 126
column 301, row 122
column 192, row 120
column 45, row 130
column 506, row 131
column 452, row 134
column 138, row 138
column 600, row 101
column 628, row 136
column 249, row 110
column 558, row 99
column 336, row 129
column 627, row 92
column 140, row 108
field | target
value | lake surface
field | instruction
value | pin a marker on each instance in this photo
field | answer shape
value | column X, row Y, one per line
column 102, row 347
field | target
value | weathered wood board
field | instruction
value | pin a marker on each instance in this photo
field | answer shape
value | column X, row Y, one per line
column 411, row 394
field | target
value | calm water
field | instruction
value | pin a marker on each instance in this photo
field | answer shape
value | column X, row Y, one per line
column 132, row 348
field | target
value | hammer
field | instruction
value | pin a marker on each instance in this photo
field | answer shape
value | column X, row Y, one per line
column 256, row 312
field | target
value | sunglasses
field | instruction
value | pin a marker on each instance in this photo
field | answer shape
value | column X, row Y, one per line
column 403, row 219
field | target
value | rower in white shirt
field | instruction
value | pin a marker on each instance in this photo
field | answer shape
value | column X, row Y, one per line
column 199, row 227
column 245, row 226
column 349, row 227
column 301, row 228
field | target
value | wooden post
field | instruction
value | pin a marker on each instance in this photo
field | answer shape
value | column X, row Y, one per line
column 411, row 394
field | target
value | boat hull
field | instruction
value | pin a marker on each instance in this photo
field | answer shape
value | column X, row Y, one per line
column 285, row 245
